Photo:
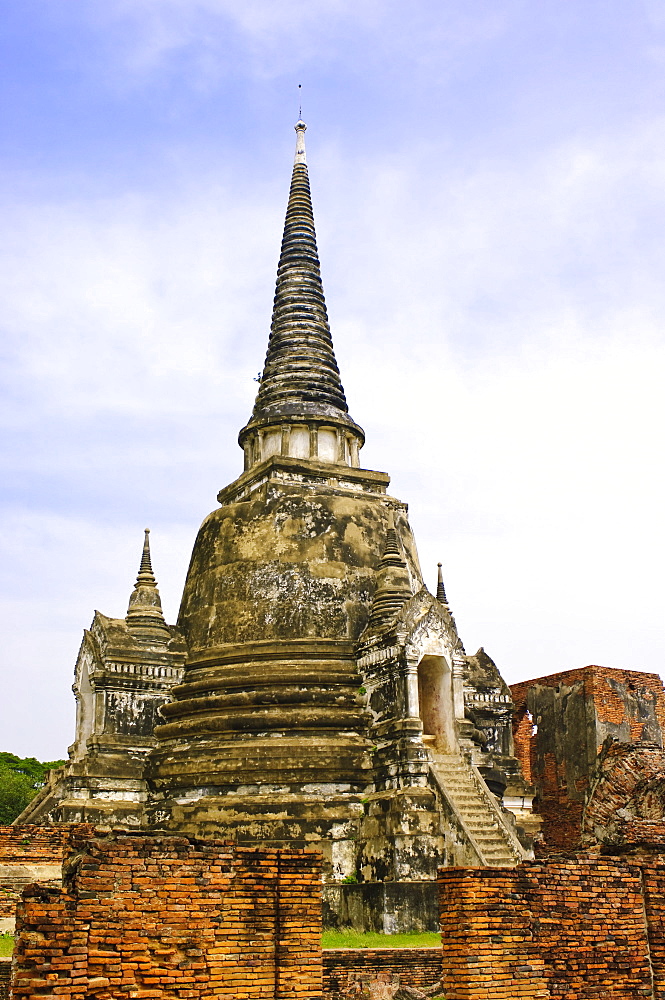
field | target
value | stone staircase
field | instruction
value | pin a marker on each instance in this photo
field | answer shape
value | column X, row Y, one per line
column 494, row 842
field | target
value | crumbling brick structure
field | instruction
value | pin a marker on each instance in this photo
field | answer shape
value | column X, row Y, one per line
column 573, row 927
column 35, row 845
column 626, row 801
column 414, row 967
column 154, row 916
column 581, row 927
column 5, row 975
column 29, row 854
column 560, row 724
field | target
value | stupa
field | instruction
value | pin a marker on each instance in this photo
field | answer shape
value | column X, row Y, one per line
column 313, row 692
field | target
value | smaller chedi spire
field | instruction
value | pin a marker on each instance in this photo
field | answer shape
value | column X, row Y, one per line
column 393, row 586
column 440, row 589
column 144, row 613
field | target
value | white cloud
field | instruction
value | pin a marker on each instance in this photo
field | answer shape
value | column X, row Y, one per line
column 263, row 40
column 120, row 304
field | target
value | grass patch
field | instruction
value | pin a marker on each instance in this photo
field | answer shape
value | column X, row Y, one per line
column 354, row 939
column 6, row 945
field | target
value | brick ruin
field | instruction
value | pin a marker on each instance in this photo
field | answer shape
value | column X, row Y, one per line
column 348, row 969
column 586, row 924
column 147, row 917
column 162, row 916
column 560, row 724
column 582, row 927
column 29, row 854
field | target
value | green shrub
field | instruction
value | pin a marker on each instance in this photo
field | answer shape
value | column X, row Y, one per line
column 20, row 780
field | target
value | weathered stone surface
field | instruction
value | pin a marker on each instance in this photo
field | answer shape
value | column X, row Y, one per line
column 388, row 907
column 300, row 391
column 290, row 561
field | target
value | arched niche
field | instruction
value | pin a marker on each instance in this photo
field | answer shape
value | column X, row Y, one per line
column 435, row 702
column 85, row 705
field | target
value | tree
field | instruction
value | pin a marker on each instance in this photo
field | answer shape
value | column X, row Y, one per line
column 20, row 780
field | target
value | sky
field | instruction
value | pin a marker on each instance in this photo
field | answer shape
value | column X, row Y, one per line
column 488, row 179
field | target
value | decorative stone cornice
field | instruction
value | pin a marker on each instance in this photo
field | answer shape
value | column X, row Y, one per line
column 300, row 470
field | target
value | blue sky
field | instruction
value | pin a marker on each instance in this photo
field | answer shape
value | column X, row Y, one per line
column 488, row 182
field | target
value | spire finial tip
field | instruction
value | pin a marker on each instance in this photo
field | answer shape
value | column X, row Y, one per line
column 301, row 155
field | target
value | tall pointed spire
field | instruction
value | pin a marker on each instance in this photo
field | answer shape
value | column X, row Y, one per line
column 300, row 379
column 144, row 614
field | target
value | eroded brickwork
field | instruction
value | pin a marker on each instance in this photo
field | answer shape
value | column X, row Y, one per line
column 488, row 947
column 169, row 917
column 29, row 854
column 628, row 787
column 653, row 887
column 560, row 724
column 35, row 845
column 419, row 967
column 564, row 930
column 5, row 973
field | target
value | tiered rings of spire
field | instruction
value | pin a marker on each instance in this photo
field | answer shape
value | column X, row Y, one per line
column 144, row 614
column 300, row 409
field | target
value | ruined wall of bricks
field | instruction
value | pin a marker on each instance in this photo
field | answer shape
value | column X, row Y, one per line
column 5, row 974
column 560, row 724
column 344, row 967
column 34, row 845
column 577, row 928
column 626, row 802
column 29, row 854
column 141, row 916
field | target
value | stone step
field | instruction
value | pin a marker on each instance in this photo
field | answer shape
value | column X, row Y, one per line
column 471, row 804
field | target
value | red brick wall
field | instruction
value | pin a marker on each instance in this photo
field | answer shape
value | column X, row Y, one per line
column 22, row 849
column 572, row 714
column 624, row 770
column 599, row 685
column 653, row 887
column 559, row 930
column 612, row 708
column 420, row 967
column 488, row 947
column 166, row 917
column 36, row 845
column 5, row 970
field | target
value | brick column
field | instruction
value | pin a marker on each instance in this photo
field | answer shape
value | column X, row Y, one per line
column 488, row 947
